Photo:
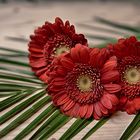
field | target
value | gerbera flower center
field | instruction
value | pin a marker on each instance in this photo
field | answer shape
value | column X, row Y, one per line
column 84, row 83
column 62, row 49
column 132, row 75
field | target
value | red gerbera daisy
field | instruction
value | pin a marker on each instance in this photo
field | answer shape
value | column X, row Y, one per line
column 82, row 82
column 128, row 53
column 49, row 41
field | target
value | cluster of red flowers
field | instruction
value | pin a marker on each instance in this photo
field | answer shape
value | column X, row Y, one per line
column 86, row 82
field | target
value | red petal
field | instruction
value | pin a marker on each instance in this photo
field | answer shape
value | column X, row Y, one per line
column 61, row 71
column 97, row 109
column 67, row 63
column 110, row 76
column 122, row 100
column 89, row 111
column 75, row 54
column 39, row 63
column 137, row 103
column 103, row 109
column 58, row 79
column 58, row 83
column 109, row 65
column 112, row 88
column 106, row 102
column 62, row 99
column 34, row 55
column 130, row 107
column 83, row 110
column 55, row 96
column 68, row 105
column 75, row 111
column 59, row 21
column 69, row 112
column 84, row 55
column 44, row 77
column 101, row 58
column 93, row 56
column 113, row 99
column 56, row 88
column 96, row 117
column 41, row 71
column 36, row 50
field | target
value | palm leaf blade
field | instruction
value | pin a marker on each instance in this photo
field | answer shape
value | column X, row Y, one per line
column 19, row 95
column 23, row 117
column 42, row 129
column 20, row 107
column 14, row 62
column 18, row 77
column 13, row 50
column 96, row 127
column 72, row 128
column 117, row 25
column 46, row 113
column 54, row 126
column 133, row 126
column 81, row 127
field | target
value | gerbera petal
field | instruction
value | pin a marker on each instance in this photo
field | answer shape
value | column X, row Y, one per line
column 122, row 100
column 101, row 58
column 76, row 109
column 112, row 88
column 109, row 65
column 83, row 110
column 62, row 99
column 39, row 63
column 41, row 71
column 89, row 111
column 61, row 71
column 106, row 102
column 113, row 99
column 137, row 103
column 97, row 109
column 67, row 63
column 93, row 56
column 84, row 55
column 75, row 54
column 58, row 83
column 110, row 76
column 35, row 49
column 68, row 105
column 103, row 109
column 96, row 117
column 130, row 107
column 44, row 77
column 57, row 95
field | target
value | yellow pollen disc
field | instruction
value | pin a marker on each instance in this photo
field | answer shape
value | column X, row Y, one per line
column 132, row 75
column 84, row 83
column 62, row 49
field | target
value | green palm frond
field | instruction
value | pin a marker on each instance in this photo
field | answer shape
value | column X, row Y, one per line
column 118, row 25
column 96, row 127
column 22, row 94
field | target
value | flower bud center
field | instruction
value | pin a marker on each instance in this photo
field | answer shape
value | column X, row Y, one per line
column 132, row 75
column 62, row 49
column 84, row 83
